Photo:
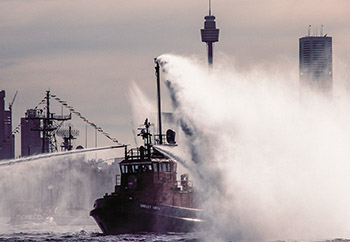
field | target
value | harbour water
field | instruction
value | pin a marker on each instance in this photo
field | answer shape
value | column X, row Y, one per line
column 51, row 232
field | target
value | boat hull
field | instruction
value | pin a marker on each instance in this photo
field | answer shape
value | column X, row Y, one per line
column 115, row 215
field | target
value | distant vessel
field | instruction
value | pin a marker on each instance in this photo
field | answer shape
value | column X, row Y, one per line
column 147, row 196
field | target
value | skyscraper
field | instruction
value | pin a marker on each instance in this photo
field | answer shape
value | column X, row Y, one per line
column 315, row 63
column 7, row 144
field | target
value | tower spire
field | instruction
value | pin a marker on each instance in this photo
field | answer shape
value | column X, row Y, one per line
column 209, row 7
column 210, row 34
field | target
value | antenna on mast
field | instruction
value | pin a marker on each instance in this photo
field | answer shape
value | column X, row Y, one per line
column 209, row 7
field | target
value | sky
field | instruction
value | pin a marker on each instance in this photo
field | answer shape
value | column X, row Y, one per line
column 90, row 52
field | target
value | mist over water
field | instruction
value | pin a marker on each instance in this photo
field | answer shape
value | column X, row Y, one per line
column 268, row 166
column 56, row 190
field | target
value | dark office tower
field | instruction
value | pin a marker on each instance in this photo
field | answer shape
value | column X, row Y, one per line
column 10, row 138
column 7, row 148
column 210, row 34
column 315, row 64
column 31, row 142
column 2, row 125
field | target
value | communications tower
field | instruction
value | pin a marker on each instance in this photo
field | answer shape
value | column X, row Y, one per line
column 210, row 34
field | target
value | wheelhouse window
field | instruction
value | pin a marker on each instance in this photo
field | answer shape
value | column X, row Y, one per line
column 147, row 168
column 136, row 168
column 155, row 167
column 168, row 167
column 165, row 166
column 130, row 169
column 122, row 169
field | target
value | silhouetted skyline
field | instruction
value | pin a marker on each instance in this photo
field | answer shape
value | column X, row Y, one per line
column 90, row 52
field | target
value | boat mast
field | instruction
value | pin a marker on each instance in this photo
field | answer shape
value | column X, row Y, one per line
column 159, row 103
column 46, row 123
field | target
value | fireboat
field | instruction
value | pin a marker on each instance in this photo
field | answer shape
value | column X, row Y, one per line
column 147, row 196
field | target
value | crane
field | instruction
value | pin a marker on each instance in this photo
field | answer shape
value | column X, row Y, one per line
column 13, row 100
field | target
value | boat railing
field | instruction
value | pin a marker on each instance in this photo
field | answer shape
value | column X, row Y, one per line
column 61, row 117
column 52, row 116
column 137, row 153
column 188, row 185
column 159, row 139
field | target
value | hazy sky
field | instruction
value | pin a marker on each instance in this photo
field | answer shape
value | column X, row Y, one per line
column 89, row 52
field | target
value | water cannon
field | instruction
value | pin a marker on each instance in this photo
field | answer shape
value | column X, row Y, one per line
column 170, row 137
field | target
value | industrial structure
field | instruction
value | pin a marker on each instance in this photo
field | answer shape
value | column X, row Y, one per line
column 315, row 63
column 48, row 125
column 40, row 127
column 7, row 139
column 31, row 142
column 67, row 134
column 210, row 34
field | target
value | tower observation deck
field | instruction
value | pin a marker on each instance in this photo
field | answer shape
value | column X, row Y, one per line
column 210, row 34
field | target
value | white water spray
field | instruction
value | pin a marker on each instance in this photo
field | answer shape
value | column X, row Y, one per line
column 268, row 166
column 56, row 188
column 56, row 154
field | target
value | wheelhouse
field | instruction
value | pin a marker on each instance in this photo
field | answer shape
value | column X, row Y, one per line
column 150, row 176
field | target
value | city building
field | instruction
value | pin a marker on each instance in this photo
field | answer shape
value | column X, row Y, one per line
column 31, row 142
column 315, row 64
column 7, row 139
